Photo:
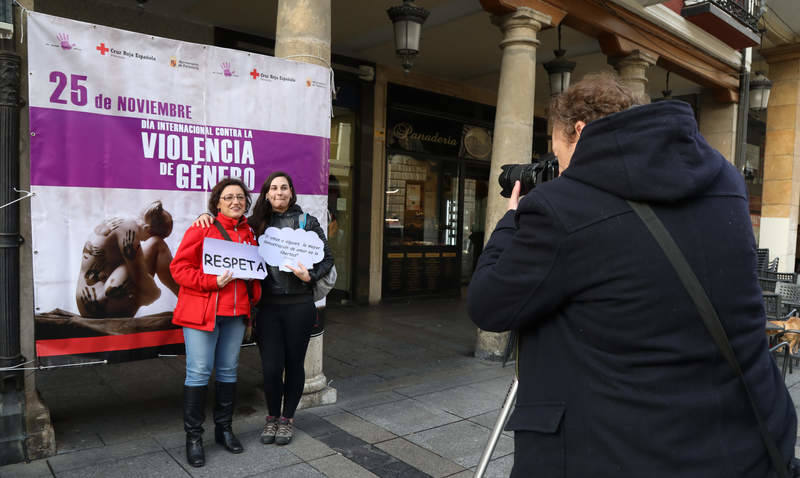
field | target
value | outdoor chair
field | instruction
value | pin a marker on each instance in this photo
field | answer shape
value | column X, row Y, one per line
column 772, row 266
column 783, row 333
column 787, row 356
column 772, row 306
column 790, row 277
column 789, row 292
column 763, row 259
column 767, row 285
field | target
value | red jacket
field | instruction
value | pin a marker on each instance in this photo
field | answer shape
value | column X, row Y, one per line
column 200, row 300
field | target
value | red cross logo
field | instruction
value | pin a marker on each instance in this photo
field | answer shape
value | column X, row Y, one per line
column 254, row 73
column 102, row 48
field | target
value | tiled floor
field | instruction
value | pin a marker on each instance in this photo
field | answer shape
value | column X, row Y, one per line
column 406, row 384
column 412, row 402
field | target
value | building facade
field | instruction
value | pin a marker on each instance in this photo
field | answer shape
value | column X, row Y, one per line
column 413, row 191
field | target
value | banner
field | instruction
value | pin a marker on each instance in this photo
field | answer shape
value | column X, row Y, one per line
column 129, row 133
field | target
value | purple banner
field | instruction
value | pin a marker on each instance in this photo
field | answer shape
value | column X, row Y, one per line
column 70, row 148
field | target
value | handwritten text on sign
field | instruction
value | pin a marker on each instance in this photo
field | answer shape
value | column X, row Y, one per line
column 287, row 246
column 242, row 260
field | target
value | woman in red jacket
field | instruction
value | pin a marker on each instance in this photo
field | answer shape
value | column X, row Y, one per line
column 214, row 311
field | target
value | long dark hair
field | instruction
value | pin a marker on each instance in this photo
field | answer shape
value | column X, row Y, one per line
column 262, row 212
column 216, row 192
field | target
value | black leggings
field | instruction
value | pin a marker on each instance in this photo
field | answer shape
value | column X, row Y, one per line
column 283, row 331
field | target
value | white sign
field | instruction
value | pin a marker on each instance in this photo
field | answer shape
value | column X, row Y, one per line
column 242, row 260
column 287, row 246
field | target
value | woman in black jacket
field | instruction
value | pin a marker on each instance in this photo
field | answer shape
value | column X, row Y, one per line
column 286, row 312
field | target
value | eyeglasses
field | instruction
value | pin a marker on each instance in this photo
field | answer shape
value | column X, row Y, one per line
column 231, row 197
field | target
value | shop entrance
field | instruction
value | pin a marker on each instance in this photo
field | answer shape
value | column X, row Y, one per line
column 476, row 192
column 437, row 177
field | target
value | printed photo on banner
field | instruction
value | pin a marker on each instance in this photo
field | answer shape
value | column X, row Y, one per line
column 129, row 133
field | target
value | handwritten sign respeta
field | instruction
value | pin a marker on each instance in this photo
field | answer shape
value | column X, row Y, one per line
column 287, row 246
column 242, row 260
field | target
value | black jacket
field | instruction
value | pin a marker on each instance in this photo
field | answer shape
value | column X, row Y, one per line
column 618, row 375
column 285, row 287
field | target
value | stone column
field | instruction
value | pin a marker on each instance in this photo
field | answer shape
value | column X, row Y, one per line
column 717, row 124
column 632, row 71
column 40, row 439
column 513, row 126
column 303, row 33
column 781, row 194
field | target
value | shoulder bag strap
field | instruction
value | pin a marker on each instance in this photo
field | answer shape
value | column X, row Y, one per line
column 709, row 316
column 223, row 231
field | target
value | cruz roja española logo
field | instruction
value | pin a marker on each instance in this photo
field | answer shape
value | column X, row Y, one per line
column 124, row 54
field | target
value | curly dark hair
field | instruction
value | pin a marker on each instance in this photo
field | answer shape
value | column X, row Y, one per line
column 216, row 193
column 262, row 212
column 595, row 96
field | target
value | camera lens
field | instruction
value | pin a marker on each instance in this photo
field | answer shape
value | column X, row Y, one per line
column 529, row 175
column 511, row 173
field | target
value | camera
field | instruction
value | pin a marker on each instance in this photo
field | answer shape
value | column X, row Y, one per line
column 529, row 175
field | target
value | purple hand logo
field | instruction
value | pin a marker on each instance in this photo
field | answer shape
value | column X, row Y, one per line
column 226, row 69
column 63, row 38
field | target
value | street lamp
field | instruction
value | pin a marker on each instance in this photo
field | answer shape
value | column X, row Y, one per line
column 407, row 19
column 760, row 86
column 559, row 69
column 666, row 91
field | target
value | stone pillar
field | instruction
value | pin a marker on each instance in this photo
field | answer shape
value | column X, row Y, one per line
column 513, row 126
column 632, row 71
column 303, row 33
column 717, row 124
column 781, row 194
column 40, row 441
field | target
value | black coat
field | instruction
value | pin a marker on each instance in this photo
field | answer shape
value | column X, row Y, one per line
column 285, row 287
column 618, row 375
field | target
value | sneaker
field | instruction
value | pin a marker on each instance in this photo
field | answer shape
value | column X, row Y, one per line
column 284, row 434
column 270, row 429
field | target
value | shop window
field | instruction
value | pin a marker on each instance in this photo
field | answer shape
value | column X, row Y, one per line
column 421, row 202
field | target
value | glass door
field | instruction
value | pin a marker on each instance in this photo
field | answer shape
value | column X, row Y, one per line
column 476, row 193
column 421, row 226
column 340, row 200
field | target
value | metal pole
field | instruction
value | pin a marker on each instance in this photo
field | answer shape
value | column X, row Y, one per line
column 9, row 216
column 743, row 110
column 502, row 419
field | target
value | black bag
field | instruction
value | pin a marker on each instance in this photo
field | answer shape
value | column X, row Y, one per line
column 325, row 283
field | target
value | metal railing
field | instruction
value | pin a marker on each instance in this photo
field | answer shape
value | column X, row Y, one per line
column 745, row 11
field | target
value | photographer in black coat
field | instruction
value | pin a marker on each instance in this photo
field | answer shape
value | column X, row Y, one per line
column 618, row 375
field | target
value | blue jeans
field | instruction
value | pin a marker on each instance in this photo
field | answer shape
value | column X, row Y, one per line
column 216, row 350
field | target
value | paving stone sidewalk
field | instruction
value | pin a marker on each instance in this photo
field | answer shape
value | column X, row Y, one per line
column 413, row 402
